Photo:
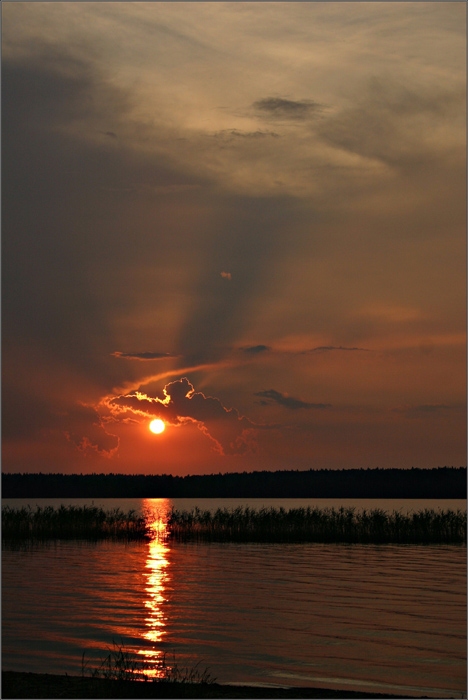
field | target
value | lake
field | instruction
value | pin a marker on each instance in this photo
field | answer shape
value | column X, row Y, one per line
column 376, row 618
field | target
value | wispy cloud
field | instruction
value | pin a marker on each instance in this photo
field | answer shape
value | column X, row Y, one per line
column 290, row 402
column 255, row 349
column 232, row 134
column 281, row 108
column 138, row 384
column 143, row 356
column 328, row 348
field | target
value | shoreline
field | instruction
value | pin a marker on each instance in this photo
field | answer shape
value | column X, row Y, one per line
column 17, row 684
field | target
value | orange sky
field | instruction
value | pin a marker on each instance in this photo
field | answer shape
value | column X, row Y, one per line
column 247, row 219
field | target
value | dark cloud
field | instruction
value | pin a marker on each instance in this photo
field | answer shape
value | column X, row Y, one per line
column 142, row 355
column 67, row 237
column 288, row 401
column 46, row 91
column 255, row 349
column 392, row 124
column 287, row 109
column 232, row 134
column 326, row 348
column 230, row 432
column 58, row 230
column 87, row 432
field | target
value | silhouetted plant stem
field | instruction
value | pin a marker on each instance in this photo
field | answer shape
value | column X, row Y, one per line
column 319, row 525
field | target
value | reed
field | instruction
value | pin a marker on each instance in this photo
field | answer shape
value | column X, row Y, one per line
column 71, row 522
column 244, row 524
column 121, row 664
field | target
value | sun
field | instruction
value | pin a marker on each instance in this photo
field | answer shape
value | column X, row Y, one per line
column 157, row 426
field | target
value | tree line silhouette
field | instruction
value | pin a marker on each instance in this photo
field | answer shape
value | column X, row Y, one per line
column 442, row 482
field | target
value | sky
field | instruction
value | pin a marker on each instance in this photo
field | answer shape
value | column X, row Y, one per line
column 247, row 219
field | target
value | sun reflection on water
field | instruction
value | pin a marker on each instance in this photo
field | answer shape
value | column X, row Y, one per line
column 156, row 511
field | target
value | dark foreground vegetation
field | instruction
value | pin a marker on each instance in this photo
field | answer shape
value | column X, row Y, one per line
column 444, row 482
column 241, row 524
column 71, row 522
column 319, row 525
column 41, row 685
column 121, row 675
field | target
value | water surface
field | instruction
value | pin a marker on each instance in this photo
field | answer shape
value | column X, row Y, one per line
column 405, row 505
column 377, row 618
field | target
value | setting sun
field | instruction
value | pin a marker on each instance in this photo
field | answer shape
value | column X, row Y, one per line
column 157, row 426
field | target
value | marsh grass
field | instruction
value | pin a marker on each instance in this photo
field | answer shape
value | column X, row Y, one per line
column 71, row 522
column 122, row 665
column 244, row 524
column 118, row 665
column 171, row 672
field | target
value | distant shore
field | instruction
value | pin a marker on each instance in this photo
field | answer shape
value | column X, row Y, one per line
column 441, row 482
column 43, row 685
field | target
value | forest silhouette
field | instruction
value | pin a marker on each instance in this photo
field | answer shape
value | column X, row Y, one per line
column 442, row 482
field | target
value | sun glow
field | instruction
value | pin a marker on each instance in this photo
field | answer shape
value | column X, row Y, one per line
column 157, row 426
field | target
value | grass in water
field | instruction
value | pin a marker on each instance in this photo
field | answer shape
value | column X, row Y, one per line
column 242, row 524
column 319, row 525
column 72, row 522
column 122, row 665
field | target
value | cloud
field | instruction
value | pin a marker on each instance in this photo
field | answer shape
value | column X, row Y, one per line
column 51, row 158
column 88, row 433
column 143, row 224
column 327, row 348
column 226, row 275
column 288, row 401
column 229, row 432
column 395, row 125
column 142, row 356
column 255, row 349
column 232, row 134
column 278, row 107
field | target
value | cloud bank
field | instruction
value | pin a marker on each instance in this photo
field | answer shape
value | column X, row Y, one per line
column 229, row 432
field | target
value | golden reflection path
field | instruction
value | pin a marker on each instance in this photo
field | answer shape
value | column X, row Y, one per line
column 156, row 512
